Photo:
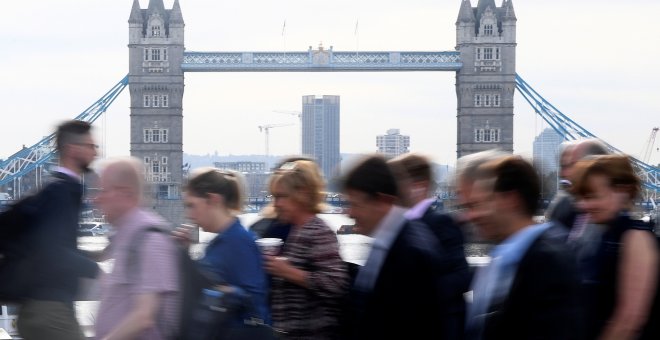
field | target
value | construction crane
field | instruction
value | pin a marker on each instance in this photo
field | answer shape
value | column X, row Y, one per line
column 266, row 130
column 290, row 112
column 299, row 115
column 646, row 156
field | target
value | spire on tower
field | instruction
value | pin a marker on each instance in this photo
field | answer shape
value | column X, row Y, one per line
column 156, row 5
column 507, row 9
column 175, row 14
column 136, row 13
column 466, row 14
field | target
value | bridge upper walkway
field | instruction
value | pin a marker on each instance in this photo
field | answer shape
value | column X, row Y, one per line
column 320, row 61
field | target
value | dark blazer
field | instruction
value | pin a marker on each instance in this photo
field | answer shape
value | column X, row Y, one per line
column 406, row 297
column 456, row 275
column 543, row 302
column 562, row 209
column 59, row 263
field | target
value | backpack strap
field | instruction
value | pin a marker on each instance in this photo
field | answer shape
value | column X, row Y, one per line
column 133, row 260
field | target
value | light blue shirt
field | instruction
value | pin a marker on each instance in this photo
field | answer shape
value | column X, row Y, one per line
column 493, row 282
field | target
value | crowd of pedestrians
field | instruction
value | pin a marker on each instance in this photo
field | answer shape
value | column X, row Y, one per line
column 589, row 271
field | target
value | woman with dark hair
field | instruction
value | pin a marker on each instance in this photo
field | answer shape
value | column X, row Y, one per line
column 309, row 276
column 213, row 198
column 623, row 275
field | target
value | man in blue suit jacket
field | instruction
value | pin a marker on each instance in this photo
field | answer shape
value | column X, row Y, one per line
column 48, row 313
column 530, row 288
column 399, row 290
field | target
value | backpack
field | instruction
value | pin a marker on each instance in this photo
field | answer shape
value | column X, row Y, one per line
column 16, row 260
column 206, row 310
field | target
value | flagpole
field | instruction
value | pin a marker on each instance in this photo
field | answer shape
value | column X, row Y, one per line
column 284, row 40
column 357, row 39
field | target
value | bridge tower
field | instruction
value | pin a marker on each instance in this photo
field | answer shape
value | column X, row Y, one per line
column 486, row 40
column 156, row 87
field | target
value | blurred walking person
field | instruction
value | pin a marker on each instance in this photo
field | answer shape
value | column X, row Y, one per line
column 140, row 298
column 399, row 290
column 309, row 277
column 530, row 288
column 563, row 208
column 48, row 313
column 416, row 186
column 213, row 200
column 623, row 288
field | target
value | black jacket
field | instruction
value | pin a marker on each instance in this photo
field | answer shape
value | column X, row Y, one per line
column 456, row 275
column 54, row 244
column 407, row 297
column 544, row 301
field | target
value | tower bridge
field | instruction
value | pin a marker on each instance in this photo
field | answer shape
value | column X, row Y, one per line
column 483, row 61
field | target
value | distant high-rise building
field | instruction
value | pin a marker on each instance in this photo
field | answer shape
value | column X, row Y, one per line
column 393, row 143
column 320, row 131
column 546, row 151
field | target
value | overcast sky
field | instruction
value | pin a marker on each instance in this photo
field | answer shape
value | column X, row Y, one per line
column 594, row 60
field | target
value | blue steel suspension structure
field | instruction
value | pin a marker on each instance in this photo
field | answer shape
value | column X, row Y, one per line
column 570, row 130
column 28, row 159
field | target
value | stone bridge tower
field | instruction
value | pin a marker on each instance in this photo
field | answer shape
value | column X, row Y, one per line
column 486, row 39
column 156, row 86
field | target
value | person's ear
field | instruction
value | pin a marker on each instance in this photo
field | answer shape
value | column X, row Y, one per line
column 215, row 199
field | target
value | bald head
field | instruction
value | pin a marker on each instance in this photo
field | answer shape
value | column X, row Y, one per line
column 589, row 147
column 126, row 173
column 581, row 150
column 121, row 187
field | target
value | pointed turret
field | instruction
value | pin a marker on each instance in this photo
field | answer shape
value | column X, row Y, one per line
column 466, row 14
column 175, row 15
column 156, row 6
column 136, row 13
column 508, row 12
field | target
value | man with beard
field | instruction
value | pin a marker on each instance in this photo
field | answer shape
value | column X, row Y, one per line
column 48, row 312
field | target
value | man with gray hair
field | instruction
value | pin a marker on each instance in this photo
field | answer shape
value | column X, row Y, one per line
column 563, row 209
column 140, row 298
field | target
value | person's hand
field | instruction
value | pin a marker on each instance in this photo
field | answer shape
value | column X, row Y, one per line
column 183, row 235
column 277, row 265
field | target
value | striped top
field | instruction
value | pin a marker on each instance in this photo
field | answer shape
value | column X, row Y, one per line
column 311, row 313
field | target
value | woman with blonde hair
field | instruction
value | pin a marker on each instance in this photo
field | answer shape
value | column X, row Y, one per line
column 309, row 276
column 623, row 278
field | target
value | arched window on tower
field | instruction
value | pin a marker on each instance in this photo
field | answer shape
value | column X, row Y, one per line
column 488, row 23
column 155, row 30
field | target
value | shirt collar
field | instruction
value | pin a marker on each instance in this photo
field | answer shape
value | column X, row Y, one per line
column 417, row 211
column 389, row 227
column 230, row 230
column 515, row 246
column 68, row 172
